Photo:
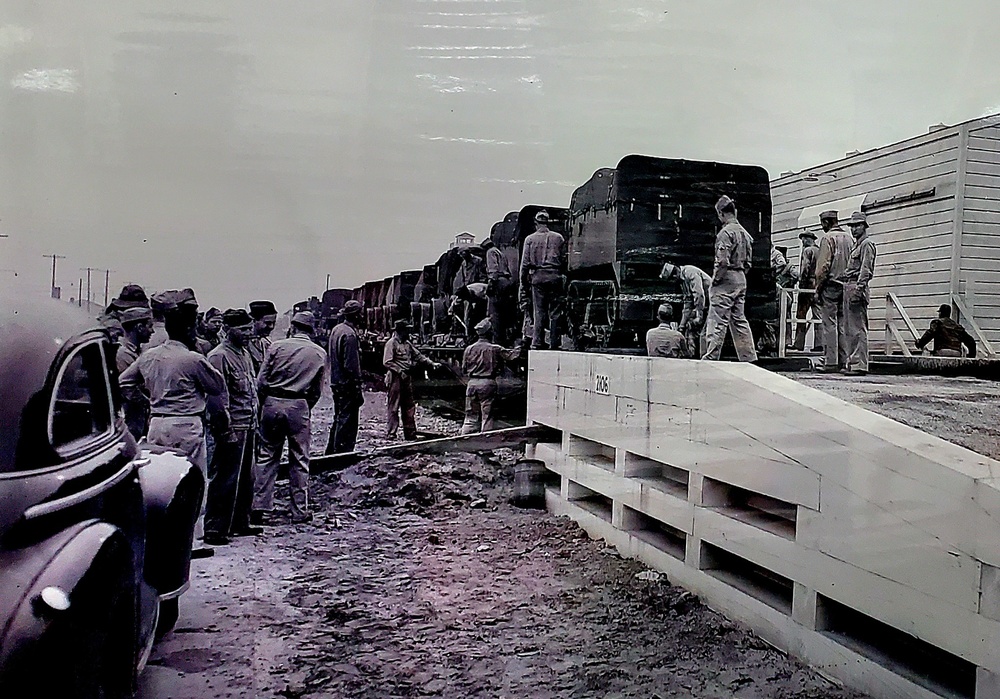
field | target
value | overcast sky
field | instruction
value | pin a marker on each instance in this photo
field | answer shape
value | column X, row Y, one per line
column 248, row 148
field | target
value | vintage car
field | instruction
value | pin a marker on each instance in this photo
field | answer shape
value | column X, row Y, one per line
column 95, row 532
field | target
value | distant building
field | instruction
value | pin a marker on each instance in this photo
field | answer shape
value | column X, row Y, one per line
column 463, row 239
column 934, row 212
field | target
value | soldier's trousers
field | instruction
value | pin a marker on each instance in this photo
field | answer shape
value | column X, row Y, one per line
column 498, row 300
column 479, row 397
column 244, row 489
column 281, row 420
column 546, row 300
column 726, row 314
column 856, row 326
column 831, row 312
column 347, row 402
column 400, row 399
column 224, row 479
column 186, row 435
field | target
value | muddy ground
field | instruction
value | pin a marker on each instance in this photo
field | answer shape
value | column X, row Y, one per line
column 418, row 578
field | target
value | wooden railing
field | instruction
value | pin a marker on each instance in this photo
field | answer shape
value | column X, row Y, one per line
column 964, row 315
column 893, row 333
column 788, row 305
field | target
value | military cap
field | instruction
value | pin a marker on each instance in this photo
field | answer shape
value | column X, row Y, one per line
column 304, row 319
column 110, row 322
column 807, row 234
column 831, row 214
column 212, row 313
column 858, row 219
column 542, row 216
column 486, row 244
column 131, row 296
column 134, row 315
column 259, row 309
column 724, row 203
column 236, row 318
column 401, row 324
column 352, row 308
column 173, row 299
column 668, row 269
column 484, row 327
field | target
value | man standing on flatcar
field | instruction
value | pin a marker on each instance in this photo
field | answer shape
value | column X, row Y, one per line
column 344, row 353
column 733, row 256
column 834, row 250
column 856, row 277
column 696, row 288
column 543, row 270
column 498, row 283
column 663, row 340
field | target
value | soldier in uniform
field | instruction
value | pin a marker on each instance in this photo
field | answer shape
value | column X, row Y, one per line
column 948, row 336
column 733, row 255
column 482, row 362
column 289, row 384
column 400, row 358
column 855, row 280
column 264, row 315
column 831, row 261
column 696, row 287
column 498, row 284
column 344, row 353
column 807, row 303
column 137, row 323
column 663, row 340
column 211, row 327
column 179, row 382
column 232, row 417
column 543, row 272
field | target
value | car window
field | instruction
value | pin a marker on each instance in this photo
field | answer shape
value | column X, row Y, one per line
column 81, row 401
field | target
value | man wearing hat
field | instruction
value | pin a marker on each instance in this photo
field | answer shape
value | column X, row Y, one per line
column 289, row 384
column 498, row 284
column 733, row 256
column 831, row 261
column 807, row 302
column 265, row 316
column 543, row 271
column 482, row 362
column 948, row 336
column 696, row 288
column 131, row 296
column 344, row 352
column 179, row 382
column 663, row 340
column 211, row 326
column 855, row 278
column 232, row 418
column 400, row 358
column 137, row 325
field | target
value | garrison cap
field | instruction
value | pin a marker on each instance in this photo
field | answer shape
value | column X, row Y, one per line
column 352, row 308
column 724, row 202
column 212, row 313
column 134, row 315
column 236, row 318
column 858, row 219
column 542, row 216
column 484, row 327
column 829, row 214
column 110, row 322
column 304, row 319
column 173, row 299
column 259, row 309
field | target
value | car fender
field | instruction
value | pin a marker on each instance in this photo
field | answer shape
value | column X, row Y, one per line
column 172, row 489
column 89, row 567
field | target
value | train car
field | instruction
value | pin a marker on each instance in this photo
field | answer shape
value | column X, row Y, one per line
column 627, row 221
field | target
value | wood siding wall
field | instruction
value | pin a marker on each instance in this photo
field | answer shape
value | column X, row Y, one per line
column 916, row 239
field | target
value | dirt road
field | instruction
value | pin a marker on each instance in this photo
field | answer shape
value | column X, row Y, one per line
column 417, row 578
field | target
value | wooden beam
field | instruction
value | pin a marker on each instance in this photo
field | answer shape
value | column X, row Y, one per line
column 966, row 315
column 481, row 441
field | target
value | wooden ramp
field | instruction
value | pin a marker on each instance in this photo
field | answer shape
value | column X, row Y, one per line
column 868, row 549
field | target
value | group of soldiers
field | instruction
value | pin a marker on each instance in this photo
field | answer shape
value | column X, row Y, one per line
column 833, row 281
column 218, row 389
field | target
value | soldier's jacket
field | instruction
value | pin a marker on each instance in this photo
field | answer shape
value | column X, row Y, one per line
column 947, row 335
column 239, row 398
column 807, row 267
column 733, row 249
column 834, row 250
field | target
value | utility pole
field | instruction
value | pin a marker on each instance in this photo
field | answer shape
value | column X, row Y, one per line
column 107, row 283
column 89, row 270
column 79, row 294
column 328, row 282
column 55, row 290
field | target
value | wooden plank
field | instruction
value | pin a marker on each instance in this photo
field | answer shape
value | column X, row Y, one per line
column 982, row 241
column 974, row 328
column 483, row 441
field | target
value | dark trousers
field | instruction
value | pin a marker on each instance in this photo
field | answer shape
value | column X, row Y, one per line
column 244, row 491
column 546, row 299
column 498, row 301
column 400, row 399
column 223, row 481
column 347, row 402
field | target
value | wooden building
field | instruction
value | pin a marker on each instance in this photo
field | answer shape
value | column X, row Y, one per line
column 933, row 203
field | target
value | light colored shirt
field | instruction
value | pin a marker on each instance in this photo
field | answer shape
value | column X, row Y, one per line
column 293, row 365
column 177, row 380
column 544, row 255
column 496, row 264
column 861, row 262
column 239, row 397
column 258, row 350
column 663, row 341
column 127, row 353
column 807, row 267
column 345, row 355
column 695, row 287
column 733, row 249
column 484, row 360
column 401, row 357
column 834, row 250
